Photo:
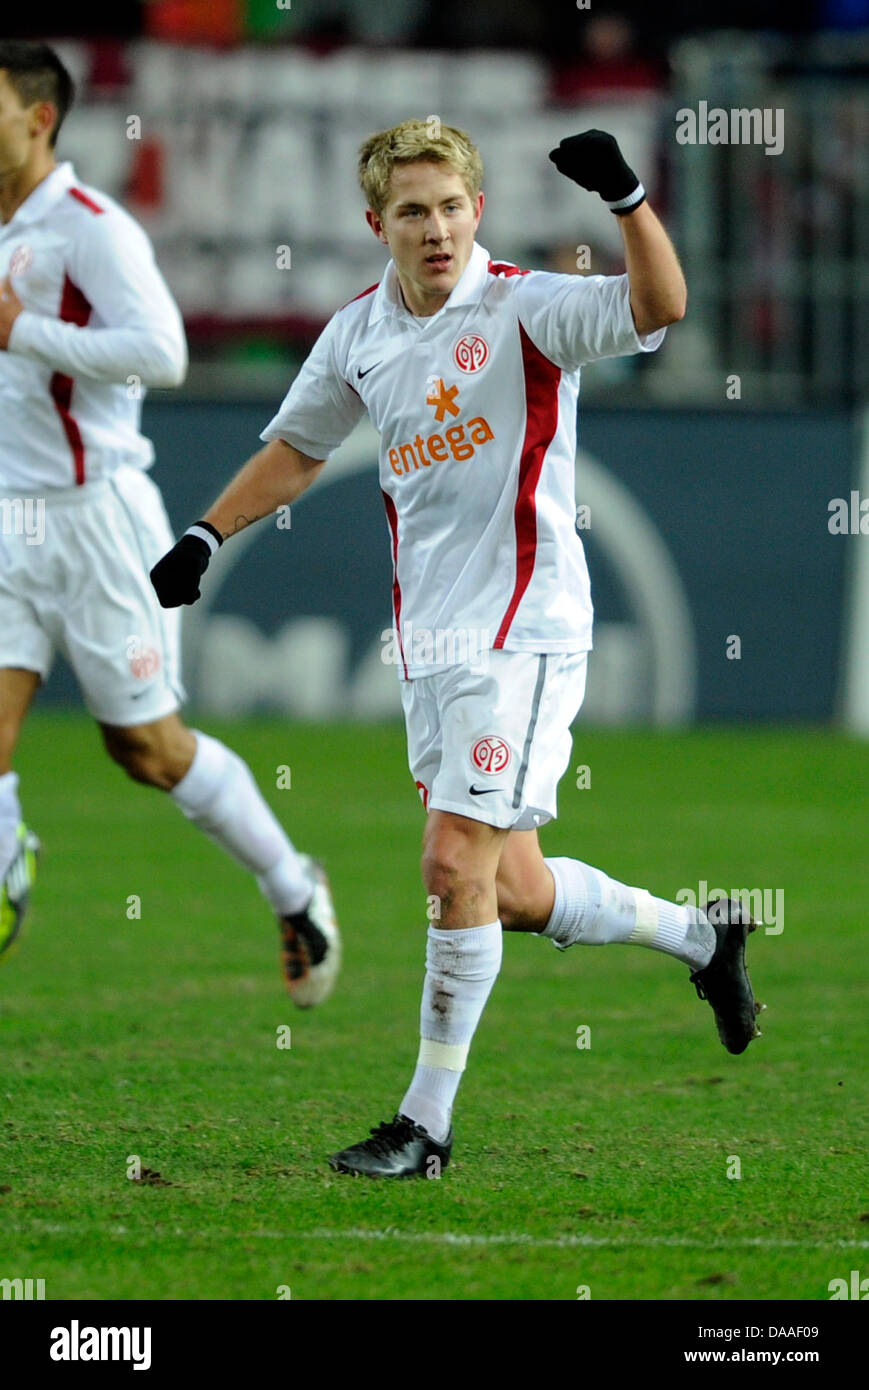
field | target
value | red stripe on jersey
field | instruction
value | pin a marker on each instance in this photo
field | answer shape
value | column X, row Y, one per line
column 83, row 198
column 392, row 518
column 74, row 308
column 370, row 290
column 542, row 379
column 505, row 268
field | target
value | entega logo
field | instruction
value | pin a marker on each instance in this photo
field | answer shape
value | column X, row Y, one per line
column 458, row 441
column 455, row 442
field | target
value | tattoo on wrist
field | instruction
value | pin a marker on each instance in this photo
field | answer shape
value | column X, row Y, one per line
column 241, row 521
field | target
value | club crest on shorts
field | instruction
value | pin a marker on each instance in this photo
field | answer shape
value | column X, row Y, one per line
column 145, row 663
column 471, row 353
column 490, row 755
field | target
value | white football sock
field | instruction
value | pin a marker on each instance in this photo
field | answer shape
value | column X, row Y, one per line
column 594, row 910
column 460, row 969
column 10, row 815
column 219, row 795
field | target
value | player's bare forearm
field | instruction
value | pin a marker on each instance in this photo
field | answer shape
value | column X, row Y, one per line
column 659, row 294
column 273, row 478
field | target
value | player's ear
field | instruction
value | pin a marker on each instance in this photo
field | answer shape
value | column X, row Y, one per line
column 376, row 225
column 478, row 209
column 44, row 117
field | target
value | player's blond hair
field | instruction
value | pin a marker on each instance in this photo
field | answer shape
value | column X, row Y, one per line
column 415, row 140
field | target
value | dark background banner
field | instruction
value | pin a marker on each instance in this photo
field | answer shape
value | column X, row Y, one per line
column 738, row 503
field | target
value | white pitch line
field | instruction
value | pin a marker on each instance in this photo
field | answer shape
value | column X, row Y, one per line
column 521, row 1238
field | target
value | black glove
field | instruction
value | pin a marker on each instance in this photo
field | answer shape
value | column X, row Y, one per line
column 594, row 161
column 176, row 577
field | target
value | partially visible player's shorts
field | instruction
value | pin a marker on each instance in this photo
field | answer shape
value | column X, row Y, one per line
column 494, row 744
column 85, row 590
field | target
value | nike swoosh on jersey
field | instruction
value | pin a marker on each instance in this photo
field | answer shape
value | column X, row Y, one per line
column 360, row 374
column 483, row 791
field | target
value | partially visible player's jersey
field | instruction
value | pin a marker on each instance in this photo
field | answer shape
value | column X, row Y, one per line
column 99, row 326
column 476, row 409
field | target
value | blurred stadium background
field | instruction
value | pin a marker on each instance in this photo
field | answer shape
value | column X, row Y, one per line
column 230, row 128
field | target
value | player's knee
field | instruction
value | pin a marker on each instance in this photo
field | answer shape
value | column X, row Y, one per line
column 439, row 873
column 449, row 874
column 141, row 759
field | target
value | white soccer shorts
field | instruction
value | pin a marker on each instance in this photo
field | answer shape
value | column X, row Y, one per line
column 84, row 590
column 493, row 744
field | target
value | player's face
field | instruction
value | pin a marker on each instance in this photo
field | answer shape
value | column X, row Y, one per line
column 14, row 128
column 428, row 224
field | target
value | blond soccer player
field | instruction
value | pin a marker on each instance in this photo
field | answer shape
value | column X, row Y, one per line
column 469, row 369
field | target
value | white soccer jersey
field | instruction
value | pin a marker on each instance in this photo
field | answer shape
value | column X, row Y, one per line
column 476, row 409
column 99, row 325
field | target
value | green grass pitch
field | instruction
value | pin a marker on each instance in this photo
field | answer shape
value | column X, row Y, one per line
column 605, row 1167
